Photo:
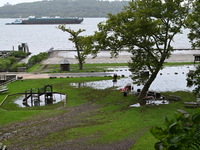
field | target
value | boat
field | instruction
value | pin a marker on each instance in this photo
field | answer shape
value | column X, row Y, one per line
column 46, row 20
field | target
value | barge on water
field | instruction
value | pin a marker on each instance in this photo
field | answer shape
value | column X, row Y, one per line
column 46, row 20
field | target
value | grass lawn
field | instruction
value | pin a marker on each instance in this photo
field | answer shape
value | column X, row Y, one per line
column 55, row 68
column 114, row 120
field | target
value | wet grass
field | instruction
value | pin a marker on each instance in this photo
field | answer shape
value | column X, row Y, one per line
column 74, row 68
column 61, row 85
column 102, row 67
column 114, row 121
column 179, row 63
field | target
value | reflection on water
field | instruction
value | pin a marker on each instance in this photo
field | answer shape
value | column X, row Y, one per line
column 39, row 102
column 152, row 102
column 168, row 79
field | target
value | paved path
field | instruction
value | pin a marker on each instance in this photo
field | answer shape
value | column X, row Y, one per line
column 57, row 75
column 104, row 57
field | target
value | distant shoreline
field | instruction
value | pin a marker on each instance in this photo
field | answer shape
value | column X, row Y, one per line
column 124, row 57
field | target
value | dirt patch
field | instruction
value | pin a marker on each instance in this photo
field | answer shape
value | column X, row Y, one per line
column 36, row 134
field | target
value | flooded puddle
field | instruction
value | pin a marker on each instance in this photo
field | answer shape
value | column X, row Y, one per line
column 168, row 79
column 152, row 102
column 39, row 102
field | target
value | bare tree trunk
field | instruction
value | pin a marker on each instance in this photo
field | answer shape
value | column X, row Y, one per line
column 80, row 65
column 80, row 61
column 150, row 80
column 146, row 87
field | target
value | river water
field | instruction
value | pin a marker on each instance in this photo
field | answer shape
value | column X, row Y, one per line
column 40, row 38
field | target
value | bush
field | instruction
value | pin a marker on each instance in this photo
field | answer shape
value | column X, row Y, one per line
column 19, row 54
column 181, row 133
column 37, row 59
column 194, row 80
column 16, row 65
column 5, row 64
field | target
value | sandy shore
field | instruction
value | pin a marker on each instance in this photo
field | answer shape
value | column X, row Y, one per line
column 104, row 57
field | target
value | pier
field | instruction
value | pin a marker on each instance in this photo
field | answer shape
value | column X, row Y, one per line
column 23, row 47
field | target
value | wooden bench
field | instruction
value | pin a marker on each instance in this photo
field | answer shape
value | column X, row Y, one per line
column 191, row 104
column 186, row 114
column 174, row 98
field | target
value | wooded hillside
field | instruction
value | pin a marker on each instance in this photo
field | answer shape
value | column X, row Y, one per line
column 63, row 8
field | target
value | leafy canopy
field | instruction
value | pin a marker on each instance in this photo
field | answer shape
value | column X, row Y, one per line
column 193, row 22
column 180, row 133
column 82, row 44
column 146, row 29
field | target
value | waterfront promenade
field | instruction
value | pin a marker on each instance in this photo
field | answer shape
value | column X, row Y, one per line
column 104, row 57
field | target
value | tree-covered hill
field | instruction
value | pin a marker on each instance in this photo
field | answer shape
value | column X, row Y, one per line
column 63, row 8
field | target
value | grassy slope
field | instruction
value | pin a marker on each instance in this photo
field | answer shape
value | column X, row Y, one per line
column 115, row 121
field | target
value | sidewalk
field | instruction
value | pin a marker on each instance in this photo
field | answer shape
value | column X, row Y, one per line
column 124, row 57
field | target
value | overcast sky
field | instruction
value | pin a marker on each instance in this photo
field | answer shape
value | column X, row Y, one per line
column 2, row 2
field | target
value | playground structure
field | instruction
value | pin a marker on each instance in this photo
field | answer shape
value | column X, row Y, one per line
column 34, row 95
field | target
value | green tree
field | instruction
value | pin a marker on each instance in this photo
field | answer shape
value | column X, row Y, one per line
column 64, row 8
column 146, row 28
column 193, row 79
column 4, row 64
column 19, row 54
column 193, row 22
column 181, row 133
column 80, row 43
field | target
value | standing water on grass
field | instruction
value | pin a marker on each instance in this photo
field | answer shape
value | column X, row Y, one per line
column 168, row 79
column 39, row 102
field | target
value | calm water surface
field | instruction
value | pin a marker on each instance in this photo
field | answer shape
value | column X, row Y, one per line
column 40, row 38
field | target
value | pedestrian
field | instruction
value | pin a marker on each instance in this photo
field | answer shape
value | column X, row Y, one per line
column 115, row 77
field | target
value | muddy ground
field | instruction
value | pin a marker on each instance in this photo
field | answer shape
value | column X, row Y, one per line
column 28, row 134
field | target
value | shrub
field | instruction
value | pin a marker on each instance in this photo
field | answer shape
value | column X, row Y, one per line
column 182, row 133
column 19, row 54
column 37, row 59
